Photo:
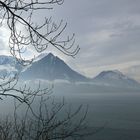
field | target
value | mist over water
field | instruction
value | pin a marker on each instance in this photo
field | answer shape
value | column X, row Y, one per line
column 116, row 112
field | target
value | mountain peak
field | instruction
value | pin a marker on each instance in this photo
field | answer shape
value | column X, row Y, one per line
column 111, row 74
column 115, row 78
column 43, row 55
column 51, row 67
column 50, row 55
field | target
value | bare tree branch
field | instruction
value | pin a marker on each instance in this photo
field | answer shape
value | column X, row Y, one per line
column 47, row 123
column 17, row 13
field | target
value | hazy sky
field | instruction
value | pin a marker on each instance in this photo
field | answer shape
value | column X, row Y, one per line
column 108, row 32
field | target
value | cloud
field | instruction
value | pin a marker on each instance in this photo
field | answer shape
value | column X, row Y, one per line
column 133, row 71
column 4, row 39
column 107, row 31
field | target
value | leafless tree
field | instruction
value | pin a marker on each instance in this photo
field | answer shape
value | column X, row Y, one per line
column 20, row 13
column 25, row 33
column 47, row 123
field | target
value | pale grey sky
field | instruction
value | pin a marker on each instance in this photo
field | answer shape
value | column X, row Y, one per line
column 108, row 32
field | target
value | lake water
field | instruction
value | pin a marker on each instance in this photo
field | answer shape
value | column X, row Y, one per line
column 115, row 114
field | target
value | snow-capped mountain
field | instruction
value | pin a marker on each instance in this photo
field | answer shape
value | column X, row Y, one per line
column 4, row 60
column 8, row 65
column 115, row 78
column 40, row 56
column 51, row 67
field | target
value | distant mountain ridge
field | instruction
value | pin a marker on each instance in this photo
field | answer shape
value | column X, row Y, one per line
column 114, row 78
column 8, row 65
column 6, row 60
column 50, row 67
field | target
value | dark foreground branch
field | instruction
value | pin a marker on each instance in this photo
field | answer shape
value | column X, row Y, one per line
column 26, row 34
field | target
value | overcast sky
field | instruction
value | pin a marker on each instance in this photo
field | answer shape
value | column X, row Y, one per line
column 108, row 32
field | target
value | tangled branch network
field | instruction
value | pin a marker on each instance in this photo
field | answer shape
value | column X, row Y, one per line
column 20, row 13
column 25, row 33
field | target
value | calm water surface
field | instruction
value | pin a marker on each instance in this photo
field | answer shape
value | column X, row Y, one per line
column 118, row 113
